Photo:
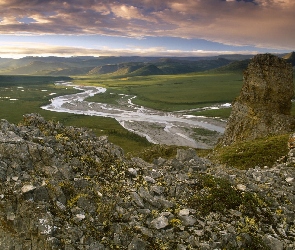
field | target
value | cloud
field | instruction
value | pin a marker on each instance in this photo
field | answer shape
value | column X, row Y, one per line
column 127, row 12
column 44, row 49
column 262, row 23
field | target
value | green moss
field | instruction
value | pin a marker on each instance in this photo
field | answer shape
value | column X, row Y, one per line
column 214, row 194
column 260, row 152
column 218, row 195
column 72, row 202
column 175, row 222
column 129, row 136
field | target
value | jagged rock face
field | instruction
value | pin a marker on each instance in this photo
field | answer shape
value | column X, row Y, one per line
column 264, row 104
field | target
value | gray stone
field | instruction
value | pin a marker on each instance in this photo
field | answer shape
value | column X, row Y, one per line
column 132, row 172
column 181, row 247
column 96, row 246
column 184, row 212
column 145, row 231
column 149, row 179
column 145, row 194
column 41, row 194
column 137, row 244
column 155, row 174
column 160, row 222
column 273, row 243
column 157, row 189
column 27, row 188
column 185, row 154
column 137, row 199
column 188, row 220
column 163, row 202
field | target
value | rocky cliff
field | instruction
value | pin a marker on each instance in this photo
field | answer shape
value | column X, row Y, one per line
column 264, row 104
column 63, row 188
column 290, row 58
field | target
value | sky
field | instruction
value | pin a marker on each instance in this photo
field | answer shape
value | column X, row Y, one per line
column 145, row 27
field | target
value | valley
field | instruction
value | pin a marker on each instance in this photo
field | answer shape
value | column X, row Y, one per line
column 193, row 89
column 158, row 127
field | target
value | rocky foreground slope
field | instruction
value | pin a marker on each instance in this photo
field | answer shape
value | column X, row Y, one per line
column 63, row 188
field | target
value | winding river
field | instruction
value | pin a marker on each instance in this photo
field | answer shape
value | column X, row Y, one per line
column 172, row 128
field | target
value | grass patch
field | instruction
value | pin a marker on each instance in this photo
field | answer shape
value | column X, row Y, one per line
column 106, row 126
column 223, row 113
column 19, row 80
column 127, row 140
column 109, row 97
column 205, row 132
column 174, row 92
column 18, row 101
column 194, row 91
column 153, row 152
column 260, row 152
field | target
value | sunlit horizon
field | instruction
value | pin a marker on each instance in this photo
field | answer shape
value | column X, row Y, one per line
column 145, row 28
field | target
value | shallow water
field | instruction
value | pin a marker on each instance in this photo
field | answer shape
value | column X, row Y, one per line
column 171, row 127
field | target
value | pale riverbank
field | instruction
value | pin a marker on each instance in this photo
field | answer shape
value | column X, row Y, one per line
column 171, row 128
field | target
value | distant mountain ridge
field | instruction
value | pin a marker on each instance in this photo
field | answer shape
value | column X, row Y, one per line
column 124, row 66
column 113, row 66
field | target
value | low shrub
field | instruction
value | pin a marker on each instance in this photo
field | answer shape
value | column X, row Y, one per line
column 218, row 195
column 260, row 152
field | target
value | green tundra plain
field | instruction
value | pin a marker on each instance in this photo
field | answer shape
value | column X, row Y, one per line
column 20, row 95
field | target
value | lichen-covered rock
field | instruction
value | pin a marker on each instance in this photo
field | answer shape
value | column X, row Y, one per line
column 64, row 188
column 264, row 104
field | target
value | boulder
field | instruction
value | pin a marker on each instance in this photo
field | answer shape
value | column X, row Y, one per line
column 264, row 104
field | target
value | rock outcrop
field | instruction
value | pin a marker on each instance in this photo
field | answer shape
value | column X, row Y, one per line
column 290, row 58
column 63, row 188
column 264, row 104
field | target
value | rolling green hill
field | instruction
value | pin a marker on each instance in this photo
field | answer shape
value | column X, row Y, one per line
column 39, row 68
column 147, row 70
column 234, row 67
column 124, row 66
column 112, row 66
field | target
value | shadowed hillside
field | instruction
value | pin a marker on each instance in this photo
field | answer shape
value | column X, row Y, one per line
column 235, row 67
